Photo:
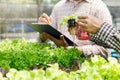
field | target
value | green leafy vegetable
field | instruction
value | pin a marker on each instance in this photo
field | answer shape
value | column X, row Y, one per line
column 66, row 18
column 22, row 55
column 96, row 68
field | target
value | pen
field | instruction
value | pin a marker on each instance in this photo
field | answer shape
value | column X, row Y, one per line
column 49, row 21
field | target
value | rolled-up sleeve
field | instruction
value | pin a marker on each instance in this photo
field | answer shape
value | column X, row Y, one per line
column 108, row 37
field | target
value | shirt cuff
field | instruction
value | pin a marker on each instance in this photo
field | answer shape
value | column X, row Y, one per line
column 103, row 34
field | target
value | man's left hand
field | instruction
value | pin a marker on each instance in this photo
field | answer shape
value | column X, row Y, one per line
column 58, row 42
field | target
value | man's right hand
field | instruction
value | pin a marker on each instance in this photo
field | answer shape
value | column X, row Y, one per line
column 89, row 23
column 44, row 18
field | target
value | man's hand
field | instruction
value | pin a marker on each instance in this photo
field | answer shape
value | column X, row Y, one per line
column 42, row 37
column 58, row 42
column 89, row 24
column 44, row 18
column 61, row 42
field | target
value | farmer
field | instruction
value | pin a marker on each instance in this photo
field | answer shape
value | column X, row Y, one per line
column 68, row 7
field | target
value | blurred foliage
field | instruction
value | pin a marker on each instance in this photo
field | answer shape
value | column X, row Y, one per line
column 18, row 1
column 50, row 1
column 29, row 1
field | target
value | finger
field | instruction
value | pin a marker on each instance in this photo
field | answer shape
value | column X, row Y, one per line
column 82, row 20
column 62, row 37
column 83, row 25
column 44, row 15
column 82, row 17
column 43, row 20
column 50, row 18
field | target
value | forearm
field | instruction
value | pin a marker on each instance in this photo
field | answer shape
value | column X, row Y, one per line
column 90, row 50
column 108, row 37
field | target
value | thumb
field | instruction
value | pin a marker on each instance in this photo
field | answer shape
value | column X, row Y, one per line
column 51, row 18
column 62, row 38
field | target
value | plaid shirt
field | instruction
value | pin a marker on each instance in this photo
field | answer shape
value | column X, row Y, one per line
column 108, row 37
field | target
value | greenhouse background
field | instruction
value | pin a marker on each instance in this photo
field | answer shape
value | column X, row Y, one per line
column 22, row 57
column 15, row 15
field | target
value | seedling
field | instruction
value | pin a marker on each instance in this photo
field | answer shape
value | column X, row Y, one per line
column 68, row 19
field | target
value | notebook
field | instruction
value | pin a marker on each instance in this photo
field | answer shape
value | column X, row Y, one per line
column 50, row 30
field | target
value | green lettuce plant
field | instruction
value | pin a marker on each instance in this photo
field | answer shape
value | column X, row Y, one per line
column 66, row 18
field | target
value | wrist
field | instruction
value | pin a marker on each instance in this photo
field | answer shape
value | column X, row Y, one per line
column 98, row 27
